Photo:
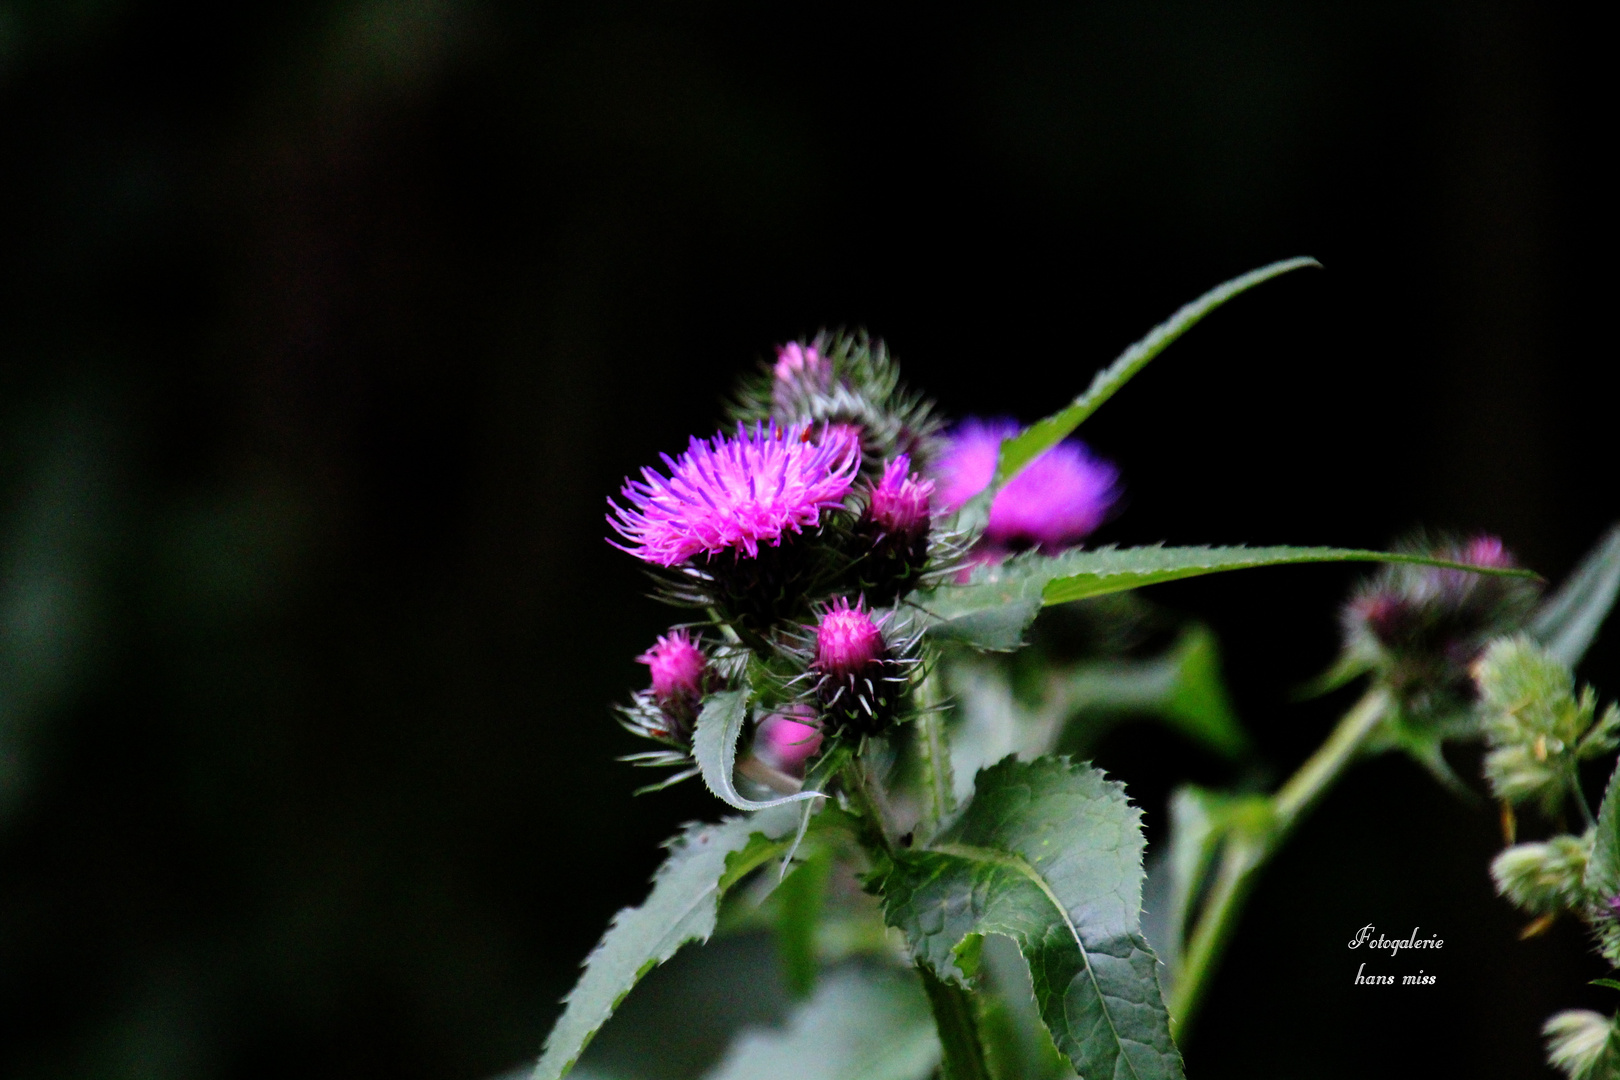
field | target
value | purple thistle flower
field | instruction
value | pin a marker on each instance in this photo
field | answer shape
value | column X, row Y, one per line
column 899, row 502
column 734, row 494
column 678, row 668
column 847, row 639
column 1055, row 502
column 859, row 681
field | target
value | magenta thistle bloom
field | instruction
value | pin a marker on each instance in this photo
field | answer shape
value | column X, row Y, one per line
column 859, row 681
column 899, row 501
column 679, row 668
column 1055, row 502
column 733, row 494
column 786, row 741
column 847, row 639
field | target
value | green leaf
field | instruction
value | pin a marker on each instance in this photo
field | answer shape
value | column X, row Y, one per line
column 1183, row 688
column 861, row 1024
column 1602, row 879
column 1049, row 854
column 797, row 904
column 1612, row 984
column 1568, row 620
column 1006, row 597
column 1042, row 435
column 704, row 860
column 714, row 744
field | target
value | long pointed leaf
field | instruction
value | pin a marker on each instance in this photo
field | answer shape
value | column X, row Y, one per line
column 714, row 744
column 995, row 607
column 1569, row 619
column 681, row 908
column 1045, row 434
column 1049, row 854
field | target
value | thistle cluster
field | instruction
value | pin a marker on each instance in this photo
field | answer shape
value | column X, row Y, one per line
column 1420, row 628
column 1538, row 731
column 794, row 536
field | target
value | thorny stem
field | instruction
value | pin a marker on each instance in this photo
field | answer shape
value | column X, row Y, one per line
column 1244, row 854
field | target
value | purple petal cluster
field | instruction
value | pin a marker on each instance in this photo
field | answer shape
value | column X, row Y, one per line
column 1055, row 502
column 734, row 494
column 899, row 501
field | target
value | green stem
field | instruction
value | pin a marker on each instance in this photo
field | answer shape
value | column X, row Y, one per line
column 939, row 799
column 958, row 1029
column 866, row 793
column 1244, row 854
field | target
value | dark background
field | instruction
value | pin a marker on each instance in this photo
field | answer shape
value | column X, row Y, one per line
column 326, row 327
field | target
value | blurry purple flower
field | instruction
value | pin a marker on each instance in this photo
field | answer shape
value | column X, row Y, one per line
column 786, row 742
column 734, row 494
column 1055, row 502
column 678, row 668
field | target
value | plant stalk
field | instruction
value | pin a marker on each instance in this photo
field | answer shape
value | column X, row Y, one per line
column 1242, row 855
column 963, row 1057
column 939, row 800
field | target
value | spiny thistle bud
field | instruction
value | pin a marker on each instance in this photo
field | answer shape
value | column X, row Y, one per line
column 799, row 370
column 891, row 536
column 725, row 514
column 785, row 741
column 859, row 681
column 1544, row 877
column 1537, row 729
column 1055, row 502
column 1583, row 1044
column 842, row 379
column 667, row 712
column 1421, row 627
column 679, row 669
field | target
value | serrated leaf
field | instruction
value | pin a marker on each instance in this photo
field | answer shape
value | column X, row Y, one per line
column 861, row 1024
column 714, row 744
column 1042, row 435
column 954, row 612
column 1049, row 854
column 1567, row 621
column 1602, row 879
column 703, row 861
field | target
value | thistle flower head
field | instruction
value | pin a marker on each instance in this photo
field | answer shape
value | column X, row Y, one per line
column 732, row 494
column 861, row 675
column 1421, row 627
column 1055, row 502
column 899, row 501
column 679, row 668
column 847, row 639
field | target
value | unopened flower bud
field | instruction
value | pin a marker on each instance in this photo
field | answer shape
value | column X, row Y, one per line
column 892, row 534
column 1583, row 1044
column 1544, row 877
column 681, row 675
column 1421, row 626
column 859, row 681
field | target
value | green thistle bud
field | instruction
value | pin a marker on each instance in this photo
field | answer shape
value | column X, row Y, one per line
column 1583, row 1044
column 1537, row 728
column 1544, row 877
